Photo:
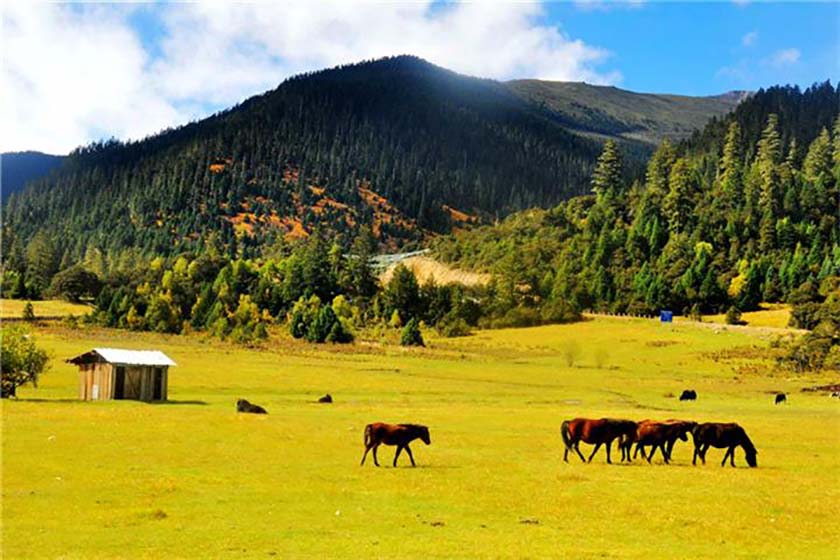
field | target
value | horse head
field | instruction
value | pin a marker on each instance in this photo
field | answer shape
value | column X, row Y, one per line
column 752, row 460
column 424, row 435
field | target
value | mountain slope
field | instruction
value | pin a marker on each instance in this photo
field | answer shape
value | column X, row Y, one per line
column 398, row 144
column 743, row 212
column 18, row 168
column 624, row 115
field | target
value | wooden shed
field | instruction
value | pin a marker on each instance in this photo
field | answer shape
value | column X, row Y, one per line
column 113, row 373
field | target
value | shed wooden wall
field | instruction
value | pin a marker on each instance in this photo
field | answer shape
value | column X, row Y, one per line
column 139, row 382
column 99, row 375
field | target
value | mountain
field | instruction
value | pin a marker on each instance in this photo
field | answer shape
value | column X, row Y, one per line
column 609, row 112
column 742, row 212
column 18, row 168
column 397, row 144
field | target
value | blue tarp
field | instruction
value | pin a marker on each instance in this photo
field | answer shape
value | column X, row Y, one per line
column 666, row 316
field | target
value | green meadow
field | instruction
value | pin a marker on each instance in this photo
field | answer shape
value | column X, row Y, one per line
column 191, row 478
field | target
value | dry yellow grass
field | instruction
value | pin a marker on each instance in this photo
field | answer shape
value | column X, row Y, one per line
column 46, row 308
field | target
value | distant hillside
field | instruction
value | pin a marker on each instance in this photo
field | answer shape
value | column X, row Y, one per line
column 744, row 212
column 18, row 168
column 603, row 111
column 397, row 144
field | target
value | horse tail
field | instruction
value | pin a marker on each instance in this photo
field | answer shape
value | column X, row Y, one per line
column 564, row 433
column 368, row 434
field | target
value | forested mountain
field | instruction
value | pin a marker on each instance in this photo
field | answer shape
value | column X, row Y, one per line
column 610, row 112
column 398, row 144
column 748, row 210
column 18, row 168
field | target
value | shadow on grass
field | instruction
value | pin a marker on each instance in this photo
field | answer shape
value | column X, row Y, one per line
column 67, row 400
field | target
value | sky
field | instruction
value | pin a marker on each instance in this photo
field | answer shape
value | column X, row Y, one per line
column 72, row 73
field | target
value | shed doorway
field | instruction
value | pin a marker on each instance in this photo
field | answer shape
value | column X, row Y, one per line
column 157, row 384
column 119, row 383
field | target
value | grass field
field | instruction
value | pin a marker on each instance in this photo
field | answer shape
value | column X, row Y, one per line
column 48, row 308
column 775, row 315
column 193, row 479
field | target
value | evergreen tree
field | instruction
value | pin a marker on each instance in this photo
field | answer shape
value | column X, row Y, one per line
column 607, row 178
column 677, row 206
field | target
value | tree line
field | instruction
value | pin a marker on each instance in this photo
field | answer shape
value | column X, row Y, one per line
column 736, row 216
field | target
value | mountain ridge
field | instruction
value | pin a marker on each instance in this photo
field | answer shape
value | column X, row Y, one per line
column 397, row 142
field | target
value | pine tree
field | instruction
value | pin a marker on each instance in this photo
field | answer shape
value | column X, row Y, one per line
column 677, row 205
column 606, row 179
column 769, row 158
column 729, row 174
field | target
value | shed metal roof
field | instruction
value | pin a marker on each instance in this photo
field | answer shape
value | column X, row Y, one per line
column 128, row 357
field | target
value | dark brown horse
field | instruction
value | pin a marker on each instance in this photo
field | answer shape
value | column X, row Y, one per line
column 722, row 435
column 393, row 434
column 662, row 436
column 598, row 432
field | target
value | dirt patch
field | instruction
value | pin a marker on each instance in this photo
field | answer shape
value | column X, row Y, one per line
column 661, row 343
column 425, row 268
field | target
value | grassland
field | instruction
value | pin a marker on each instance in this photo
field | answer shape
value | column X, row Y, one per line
column 13, row 308
column 193, row 479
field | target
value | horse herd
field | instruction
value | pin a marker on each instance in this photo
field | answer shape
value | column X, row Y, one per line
column 598, row 432
column 656, row 435
column 602, row 431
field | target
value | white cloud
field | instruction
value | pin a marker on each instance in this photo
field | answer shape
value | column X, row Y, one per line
column 72, row 75
column 784, row 57
column 749, row 39
column 77, row 73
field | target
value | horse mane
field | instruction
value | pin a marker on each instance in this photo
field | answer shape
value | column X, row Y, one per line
column 413, row 426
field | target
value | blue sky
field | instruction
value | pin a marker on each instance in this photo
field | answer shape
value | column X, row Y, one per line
column 74, row 73
column 706, row 48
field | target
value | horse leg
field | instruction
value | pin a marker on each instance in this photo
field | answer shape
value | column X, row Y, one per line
column 726, row 456
column 577, row 448
column 594, row 451
column 609, row 444
column 397, row 454
column 364, row 456
column 663, row 447
column 703, row 450
column 640, row 447
column 732, row 456
column 410, row 456
column 375, row 459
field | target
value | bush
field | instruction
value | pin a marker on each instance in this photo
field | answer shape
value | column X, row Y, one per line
column 696, row 314
column 558, row 311
column 805, row 316
column 322, row 325
column 28, row 312
column 733, row 316
column 571, row 352
column 411, row 335
column 451, row 326
column 303, row 315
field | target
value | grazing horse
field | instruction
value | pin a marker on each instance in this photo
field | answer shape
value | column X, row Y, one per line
column 597, row 432
column 244, row 406
column 394, row 434
column 780, row 398
column 326, row 399
column 688, row 395
column 722, row 435
column 662, row 436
